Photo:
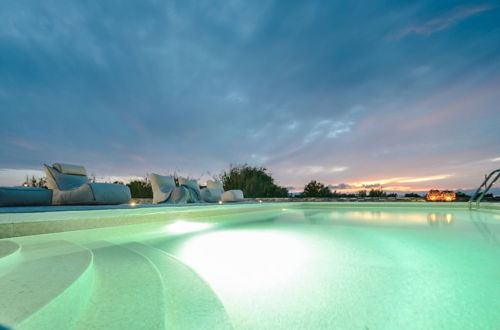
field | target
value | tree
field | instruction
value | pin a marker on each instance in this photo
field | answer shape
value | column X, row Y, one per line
column 316, row 189
column 362, row 193
column 255, row 182
column 413, row 195
column 377, row 193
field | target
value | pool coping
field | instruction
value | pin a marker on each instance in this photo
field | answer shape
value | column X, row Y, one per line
column 45, row 220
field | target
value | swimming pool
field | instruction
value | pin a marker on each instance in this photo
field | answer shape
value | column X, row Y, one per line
column 279, row 266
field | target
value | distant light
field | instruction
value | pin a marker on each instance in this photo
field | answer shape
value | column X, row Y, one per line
column 25, row 185
column 182, row 227
column 133, row 204
column 220, row 202
column 260, row 201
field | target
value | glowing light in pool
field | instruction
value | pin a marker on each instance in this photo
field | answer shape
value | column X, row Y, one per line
column 247, row 260
column 434, row 218
column 182, row 227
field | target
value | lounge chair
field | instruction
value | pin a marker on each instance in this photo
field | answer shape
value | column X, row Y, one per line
column 165, row 190
column 194, row 190
column 214, row 192
column 70, row 186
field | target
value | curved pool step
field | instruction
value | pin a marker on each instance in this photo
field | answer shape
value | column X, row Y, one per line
column 47, row 287
column 9, row 255
column 8, row 248
column 127, row 292
column 190, row 302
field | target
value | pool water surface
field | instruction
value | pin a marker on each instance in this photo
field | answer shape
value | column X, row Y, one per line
column 294, row 267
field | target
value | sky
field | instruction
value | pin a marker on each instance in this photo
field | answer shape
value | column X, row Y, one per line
column 402, row 95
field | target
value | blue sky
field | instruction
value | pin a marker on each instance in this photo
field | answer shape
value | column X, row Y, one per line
column 392, row 93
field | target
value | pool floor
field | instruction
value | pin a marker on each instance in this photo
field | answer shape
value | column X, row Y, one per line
column 292, row 268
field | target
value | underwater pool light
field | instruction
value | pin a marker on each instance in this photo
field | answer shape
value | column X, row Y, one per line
column 182, row 227
column 248, row 260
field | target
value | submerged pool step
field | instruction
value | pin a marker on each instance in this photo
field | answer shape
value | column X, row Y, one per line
column 190, row 302
column 47, row 286
column 127, row 292
column 9, row 255
column 8, row 248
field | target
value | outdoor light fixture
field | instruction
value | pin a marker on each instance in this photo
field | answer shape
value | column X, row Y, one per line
column 133, row 204
column 444, row 196
column 220, row 202
column 433, row 195
column 183, row 227
column 448, row 196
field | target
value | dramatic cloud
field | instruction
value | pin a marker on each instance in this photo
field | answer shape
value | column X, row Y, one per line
column 443, row 22
column 312, row 90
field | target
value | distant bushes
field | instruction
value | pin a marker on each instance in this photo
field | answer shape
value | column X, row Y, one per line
column 380, row 193
column 255, row 182
column 413, row 195
column 316, row 189
column 35, row 182
column 140, row 188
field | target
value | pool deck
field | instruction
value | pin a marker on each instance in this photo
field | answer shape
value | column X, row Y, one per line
column 24, row 221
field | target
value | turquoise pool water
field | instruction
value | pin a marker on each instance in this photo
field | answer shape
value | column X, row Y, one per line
column 289, row 267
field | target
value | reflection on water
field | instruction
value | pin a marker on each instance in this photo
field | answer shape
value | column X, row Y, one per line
column 380, row 217
column 483, row 228
column 440, row 219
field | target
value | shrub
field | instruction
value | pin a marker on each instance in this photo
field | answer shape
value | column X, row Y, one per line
column 34, row 182
column 255, row 182
column 377, row 193
column 362, row 193
column 462, row 196
column 316, row 189
column 140, row 189
column 413, row 195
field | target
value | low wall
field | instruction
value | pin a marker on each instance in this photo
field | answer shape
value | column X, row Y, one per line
column 334, row 199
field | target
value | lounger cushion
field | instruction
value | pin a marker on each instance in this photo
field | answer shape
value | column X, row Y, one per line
column 108, row 193
column 82, row 195
column 163, row 183
column 232, row 196
column 25, row 196
column 211, row 195
column 178, row 195
column 194, row 188
column 60, row 181
column 70, row 169
column 165, row 190
column 215, row 185
column 193, row 184
column 93, row 194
